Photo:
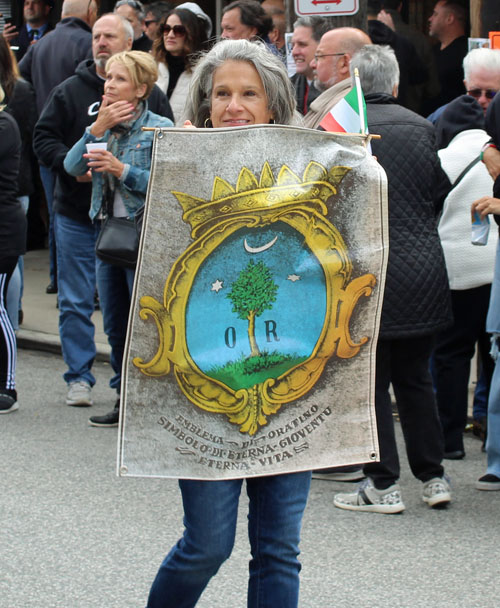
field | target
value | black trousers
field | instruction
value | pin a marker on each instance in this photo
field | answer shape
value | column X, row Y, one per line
column 405, row 364
column 455, row 348
column 8, row 347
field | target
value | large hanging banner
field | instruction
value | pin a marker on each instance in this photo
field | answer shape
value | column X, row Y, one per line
column 253, row 327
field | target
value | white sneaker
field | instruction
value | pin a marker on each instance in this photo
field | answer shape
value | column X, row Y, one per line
column 437, row 492
column 79, row 394
column 368, row 498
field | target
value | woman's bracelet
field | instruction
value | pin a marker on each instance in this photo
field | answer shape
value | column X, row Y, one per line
column 488, row 144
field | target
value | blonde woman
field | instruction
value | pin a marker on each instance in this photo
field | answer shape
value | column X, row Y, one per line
column 120, row 175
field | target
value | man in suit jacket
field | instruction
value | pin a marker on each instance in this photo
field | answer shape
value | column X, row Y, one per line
column 36, row 24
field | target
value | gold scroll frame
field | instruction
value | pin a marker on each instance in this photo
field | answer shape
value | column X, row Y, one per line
column 249, row 407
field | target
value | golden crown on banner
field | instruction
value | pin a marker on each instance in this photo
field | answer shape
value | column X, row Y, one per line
column 260, row 194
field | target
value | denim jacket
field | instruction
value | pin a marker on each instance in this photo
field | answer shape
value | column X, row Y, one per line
column 134, row 150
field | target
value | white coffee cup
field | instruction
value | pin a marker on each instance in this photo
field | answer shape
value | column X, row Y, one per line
column 96, row 146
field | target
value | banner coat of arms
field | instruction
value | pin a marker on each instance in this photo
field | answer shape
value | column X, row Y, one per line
column 257, row 300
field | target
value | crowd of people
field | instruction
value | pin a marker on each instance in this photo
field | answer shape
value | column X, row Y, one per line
column 73, row 100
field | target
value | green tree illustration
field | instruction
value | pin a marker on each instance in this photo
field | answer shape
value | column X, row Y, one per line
column 253, row 292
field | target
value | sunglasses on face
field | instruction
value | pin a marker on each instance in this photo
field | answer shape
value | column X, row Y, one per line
column 148, row 22
column 179, row 30
column 476, row 93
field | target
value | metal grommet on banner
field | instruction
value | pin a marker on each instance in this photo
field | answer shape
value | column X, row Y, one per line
column 160, row 134
column 373, row 456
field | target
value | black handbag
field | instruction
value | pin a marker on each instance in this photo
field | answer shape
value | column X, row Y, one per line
column 118, row 242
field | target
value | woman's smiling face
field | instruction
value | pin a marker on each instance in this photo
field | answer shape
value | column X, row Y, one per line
column 238, row 96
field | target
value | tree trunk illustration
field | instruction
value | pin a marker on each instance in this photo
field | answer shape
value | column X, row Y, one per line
column 255, row 352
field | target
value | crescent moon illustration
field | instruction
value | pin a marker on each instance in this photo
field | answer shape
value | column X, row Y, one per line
column 259, row 249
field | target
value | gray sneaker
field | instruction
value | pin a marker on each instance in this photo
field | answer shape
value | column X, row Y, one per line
column 368, row 498
column 437, row 492
column 79, row 394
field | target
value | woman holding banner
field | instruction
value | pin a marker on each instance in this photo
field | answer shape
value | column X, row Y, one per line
column 238, row 83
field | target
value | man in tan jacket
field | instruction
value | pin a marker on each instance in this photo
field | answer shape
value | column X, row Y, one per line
column 331, row 68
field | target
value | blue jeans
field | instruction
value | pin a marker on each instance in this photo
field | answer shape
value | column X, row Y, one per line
column 493, row 327
column 115, row 286
column 493, row 436
column 76, row 279
column 48, row 178
column 480, row 403
column 277, row 504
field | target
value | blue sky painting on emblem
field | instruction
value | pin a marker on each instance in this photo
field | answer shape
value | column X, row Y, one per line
column 297, row 315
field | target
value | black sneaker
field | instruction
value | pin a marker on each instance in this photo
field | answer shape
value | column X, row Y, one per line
column 107, row 420
column 8, row 402
column 51, row 288
column 488, row 482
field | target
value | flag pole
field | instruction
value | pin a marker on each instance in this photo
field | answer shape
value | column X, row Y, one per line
column 360, row 101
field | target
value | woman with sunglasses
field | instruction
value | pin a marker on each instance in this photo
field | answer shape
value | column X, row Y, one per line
column 180, row 38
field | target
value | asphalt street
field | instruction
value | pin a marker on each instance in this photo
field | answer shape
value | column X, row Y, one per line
column 74, row 535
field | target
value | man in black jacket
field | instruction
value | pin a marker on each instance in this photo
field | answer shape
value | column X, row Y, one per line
column 56, row 56
column 72, row 107
column 45, row 65
column 416, row 297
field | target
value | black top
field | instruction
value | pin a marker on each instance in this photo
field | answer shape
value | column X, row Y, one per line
column 12, row 217
column 461, row 114
column 176, row 65
column 23, row 40
column 411, row 69
column 493, row 129
column 21, row 105
column 416, row 296
column 143, row 43
column 55, row 57
column 450, row 72
column 305, row 93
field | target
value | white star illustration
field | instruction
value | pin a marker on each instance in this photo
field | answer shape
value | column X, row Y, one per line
column 217, row 286
column 293, row 277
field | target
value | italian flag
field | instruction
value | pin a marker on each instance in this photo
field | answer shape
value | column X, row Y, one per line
column 349, row 114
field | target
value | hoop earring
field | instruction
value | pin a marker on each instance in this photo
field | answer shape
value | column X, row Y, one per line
column 208, row 123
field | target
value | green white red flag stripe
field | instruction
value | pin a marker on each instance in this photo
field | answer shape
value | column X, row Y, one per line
column 349, row 114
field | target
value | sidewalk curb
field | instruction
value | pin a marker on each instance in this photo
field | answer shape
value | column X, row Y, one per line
column 39, row 340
